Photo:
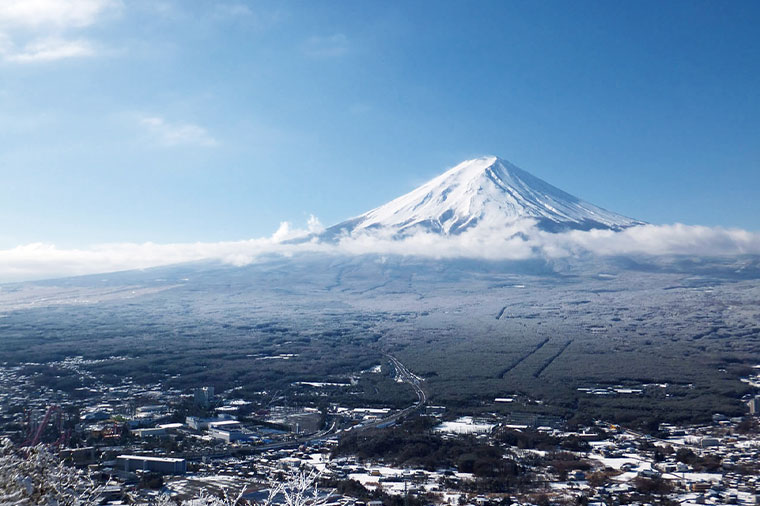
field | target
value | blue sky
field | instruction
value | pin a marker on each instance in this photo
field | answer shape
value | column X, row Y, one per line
column 188, row 121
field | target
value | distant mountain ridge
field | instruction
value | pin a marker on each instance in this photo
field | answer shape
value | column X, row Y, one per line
column 484, row 191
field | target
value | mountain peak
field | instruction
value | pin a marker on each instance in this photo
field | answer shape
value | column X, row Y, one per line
column 476, row 166
column 484, row 191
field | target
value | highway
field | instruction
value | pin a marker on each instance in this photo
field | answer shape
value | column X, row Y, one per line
column 405, row 375
column 402, row 373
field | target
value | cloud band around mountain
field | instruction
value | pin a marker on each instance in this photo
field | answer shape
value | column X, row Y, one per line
column 520, row 240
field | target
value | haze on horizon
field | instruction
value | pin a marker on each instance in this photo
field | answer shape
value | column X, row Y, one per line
column 135, row 134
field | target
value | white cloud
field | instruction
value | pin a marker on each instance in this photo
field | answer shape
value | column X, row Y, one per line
column 51, row 49
column 314, row 226
column 42, row 260
column 233, row 9
column 331, row 46
column 6, row 44
column 61, row 14
column 176, row 134
column 41, row 30
column 674, row 239
column 521, row 241
column 286, row 232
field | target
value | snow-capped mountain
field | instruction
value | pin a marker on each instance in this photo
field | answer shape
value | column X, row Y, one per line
column 485, row 191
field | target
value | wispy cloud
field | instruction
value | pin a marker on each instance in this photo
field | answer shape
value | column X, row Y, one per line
column 286, row 232
column 258, row 17
column 48, row 30
column 523, row 240
column 51, row 49
column 331, row 46
column 177, row 134
column 44, row 260
column 520, row 241
column 60, row 13
column 232, row 9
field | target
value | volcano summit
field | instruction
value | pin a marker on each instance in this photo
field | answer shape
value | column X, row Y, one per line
column 485, row 191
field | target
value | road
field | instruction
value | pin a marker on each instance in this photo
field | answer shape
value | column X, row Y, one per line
column 402, row 373
column 415, row 381
column 407, row 376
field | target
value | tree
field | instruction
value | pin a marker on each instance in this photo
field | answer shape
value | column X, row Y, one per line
column 35, row 476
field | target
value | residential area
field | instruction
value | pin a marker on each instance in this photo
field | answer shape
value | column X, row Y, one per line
column 141, row 442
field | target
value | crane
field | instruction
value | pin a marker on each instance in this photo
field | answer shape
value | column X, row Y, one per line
column 34, row 437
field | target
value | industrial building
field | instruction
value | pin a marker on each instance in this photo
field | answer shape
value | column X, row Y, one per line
column 197, row 423
column 227, row 435
column 163, row 465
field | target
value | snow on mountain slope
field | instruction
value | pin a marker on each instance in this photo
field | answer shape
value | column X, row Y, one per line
column 485, row 191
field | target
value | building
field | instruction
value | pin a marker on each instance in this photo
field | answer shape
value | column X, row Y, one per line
column 163, row 465
column 754, row 405
column 153, row 409
column 226, row 435
column 204, row 396
column 225, row 425
column 707, row 442
column 226, row 430
column 171, row 427
column 79, row 456
column 197, row 423
column 152, row 432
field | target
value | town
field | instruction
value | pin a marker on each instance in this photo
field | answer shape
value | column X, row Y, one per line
column 141, row 442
